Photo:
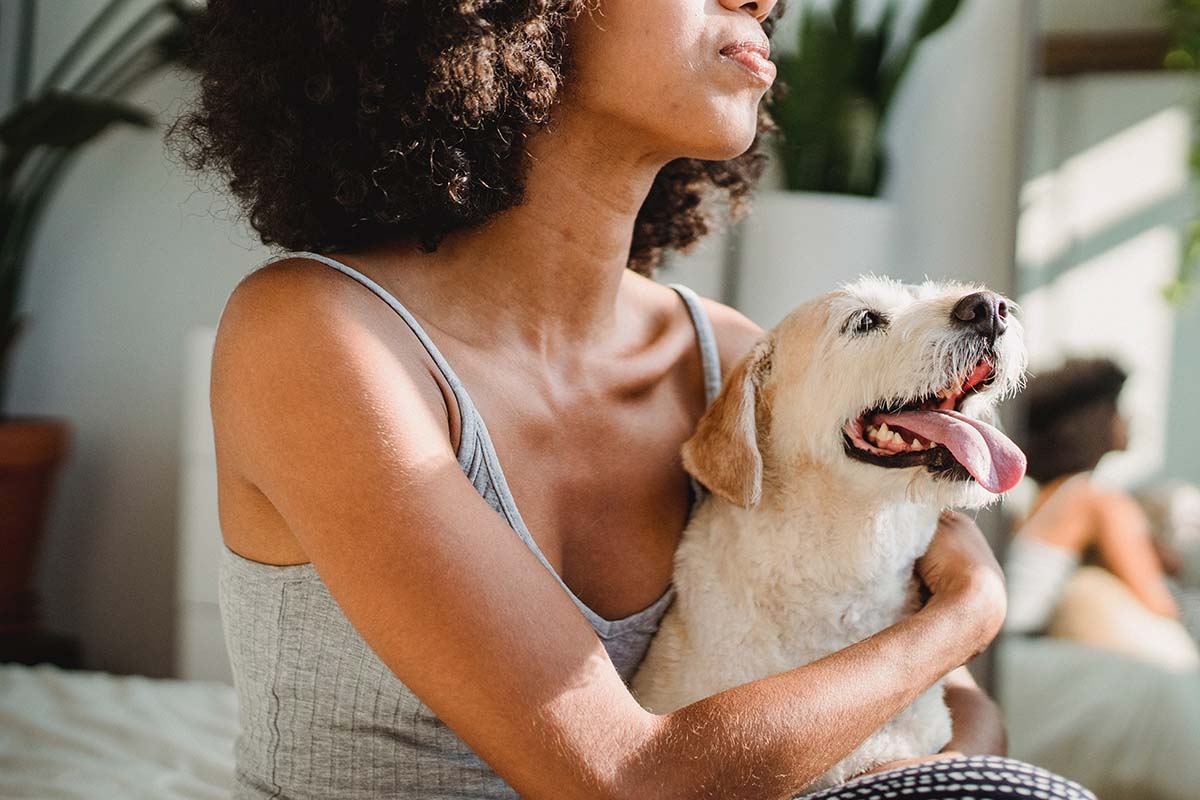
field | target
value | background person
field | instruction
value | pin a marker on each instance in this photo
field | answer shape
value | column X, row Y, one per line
column 1082, row 564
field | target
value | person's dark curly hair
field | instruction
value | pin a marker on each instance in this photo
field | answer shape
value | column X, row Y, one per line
column 339, row 124
column 1069, row 416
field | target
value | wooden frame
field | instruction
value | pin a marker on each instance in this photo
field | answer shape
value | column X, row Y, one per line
column 1065, row 54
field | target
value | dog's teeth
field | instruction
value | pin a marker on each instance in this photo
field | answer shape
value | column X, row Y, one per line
column 885, row 432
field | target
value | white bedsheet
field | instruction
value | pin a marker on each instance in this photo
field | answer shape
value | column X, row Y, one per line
column 69, row 734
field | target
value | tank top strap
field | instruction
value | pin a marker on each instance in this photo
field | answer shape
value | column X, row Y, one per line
column 709, row 355
column 468, row 414
column 710, row 358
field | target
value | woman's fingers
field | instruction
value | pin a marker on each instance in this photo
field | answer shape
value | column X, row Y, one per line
column 959, row 567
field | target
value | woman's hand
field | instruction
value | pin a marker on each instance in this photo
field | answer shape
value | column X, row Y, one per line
column 960, row 569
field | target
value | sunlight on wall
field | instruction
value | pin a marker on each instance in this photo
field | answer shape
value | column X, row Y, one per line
column 1112, row 305
column 1105, row 184
column 1097, row 239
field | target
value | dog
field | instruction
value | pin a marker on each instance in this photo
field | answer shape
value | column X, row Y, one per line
column 828, row 456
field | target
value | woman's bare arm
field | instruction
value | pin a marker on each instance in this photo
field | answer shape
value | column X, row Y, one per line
column 333, row 423
column 1123, row 538
column 770, row 737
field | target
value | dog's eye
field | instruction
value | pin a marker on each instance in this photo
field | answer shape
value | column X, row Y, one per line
column 865, row 322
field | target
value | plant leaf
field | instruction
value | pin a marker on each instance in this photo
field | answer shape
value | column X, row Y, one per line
column 937, row 13
column 61, row 119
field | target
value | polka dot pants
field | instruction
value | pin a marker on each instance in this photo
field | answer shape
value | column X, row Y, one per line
column 959, row 778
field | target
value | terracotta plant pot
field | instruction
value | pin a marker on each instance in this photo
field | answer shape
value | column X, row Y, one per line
column 30, row 451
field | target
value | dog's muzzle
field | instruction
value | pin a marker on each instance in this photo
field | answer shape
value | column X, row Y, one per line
column 933, row 432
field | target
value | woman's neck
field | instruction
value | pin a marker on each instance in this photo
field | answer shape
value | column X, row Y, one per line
column 545, row 275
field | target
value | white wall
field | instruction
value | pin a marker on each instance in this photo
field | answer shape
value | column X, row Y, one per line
column 956, row 139
column 129, row 256
column 1106, row 202
column 1106, row 198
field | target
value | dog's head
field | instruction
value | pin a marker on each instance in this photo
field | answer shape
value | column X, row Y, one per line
column 891, row 388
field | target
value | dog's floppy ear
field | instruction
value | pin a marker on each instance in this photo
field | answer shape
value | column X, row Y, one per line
column 723, row 453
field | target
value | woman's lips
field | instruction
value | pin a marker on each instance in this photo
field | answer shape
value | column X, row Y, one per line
column 752, row 57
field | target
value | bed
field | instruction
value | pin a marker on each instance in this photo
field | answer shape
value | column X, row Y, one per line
column 72, row 734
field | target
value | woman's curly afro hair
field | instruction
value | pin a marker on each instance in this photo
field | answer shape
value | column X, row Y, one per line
column 1069, row 415
column 339, row 124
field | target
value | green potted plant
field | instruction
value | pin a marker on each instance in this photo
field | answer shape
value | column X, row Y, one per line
column 40, row 136
column 1183, row 26
column 836, row 84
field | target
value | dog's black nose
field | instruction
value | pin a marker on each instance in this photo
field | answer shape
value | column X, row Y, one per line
column 986, row 312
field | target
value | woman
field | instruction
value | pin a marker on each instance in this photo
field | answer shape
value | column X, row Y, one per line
column 505, row 176
column 1120, row 598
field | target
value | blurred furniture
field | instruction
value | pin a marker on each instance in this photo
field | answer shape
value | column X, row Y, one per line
column 1099, row 609
column 91, row 734
column 32, row 450
column 200, row 640
column 1076, row 53
column 1125, row 728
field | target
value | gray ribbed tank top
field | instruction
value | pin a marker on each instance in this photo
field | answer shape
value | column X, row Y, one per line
column 320, row 715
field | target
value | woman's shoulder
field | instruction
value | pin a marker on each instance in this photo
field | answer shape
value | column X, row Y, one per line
column 735, row 333
column 302, row 322
column 294, row 284
column 296, row 302
column 1094, row 492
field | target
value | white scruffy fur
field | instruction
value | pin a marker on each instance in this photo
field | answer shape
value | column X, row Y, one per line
column 823, row 556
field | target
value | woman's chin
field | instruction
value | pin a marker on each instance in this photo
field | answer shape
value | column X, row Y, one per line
column 731, row 150
column 735, row 128
column 725, row 143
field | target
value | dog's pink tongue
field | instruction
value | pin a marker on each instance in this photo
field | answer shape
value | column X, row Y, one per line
column 989, row 455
